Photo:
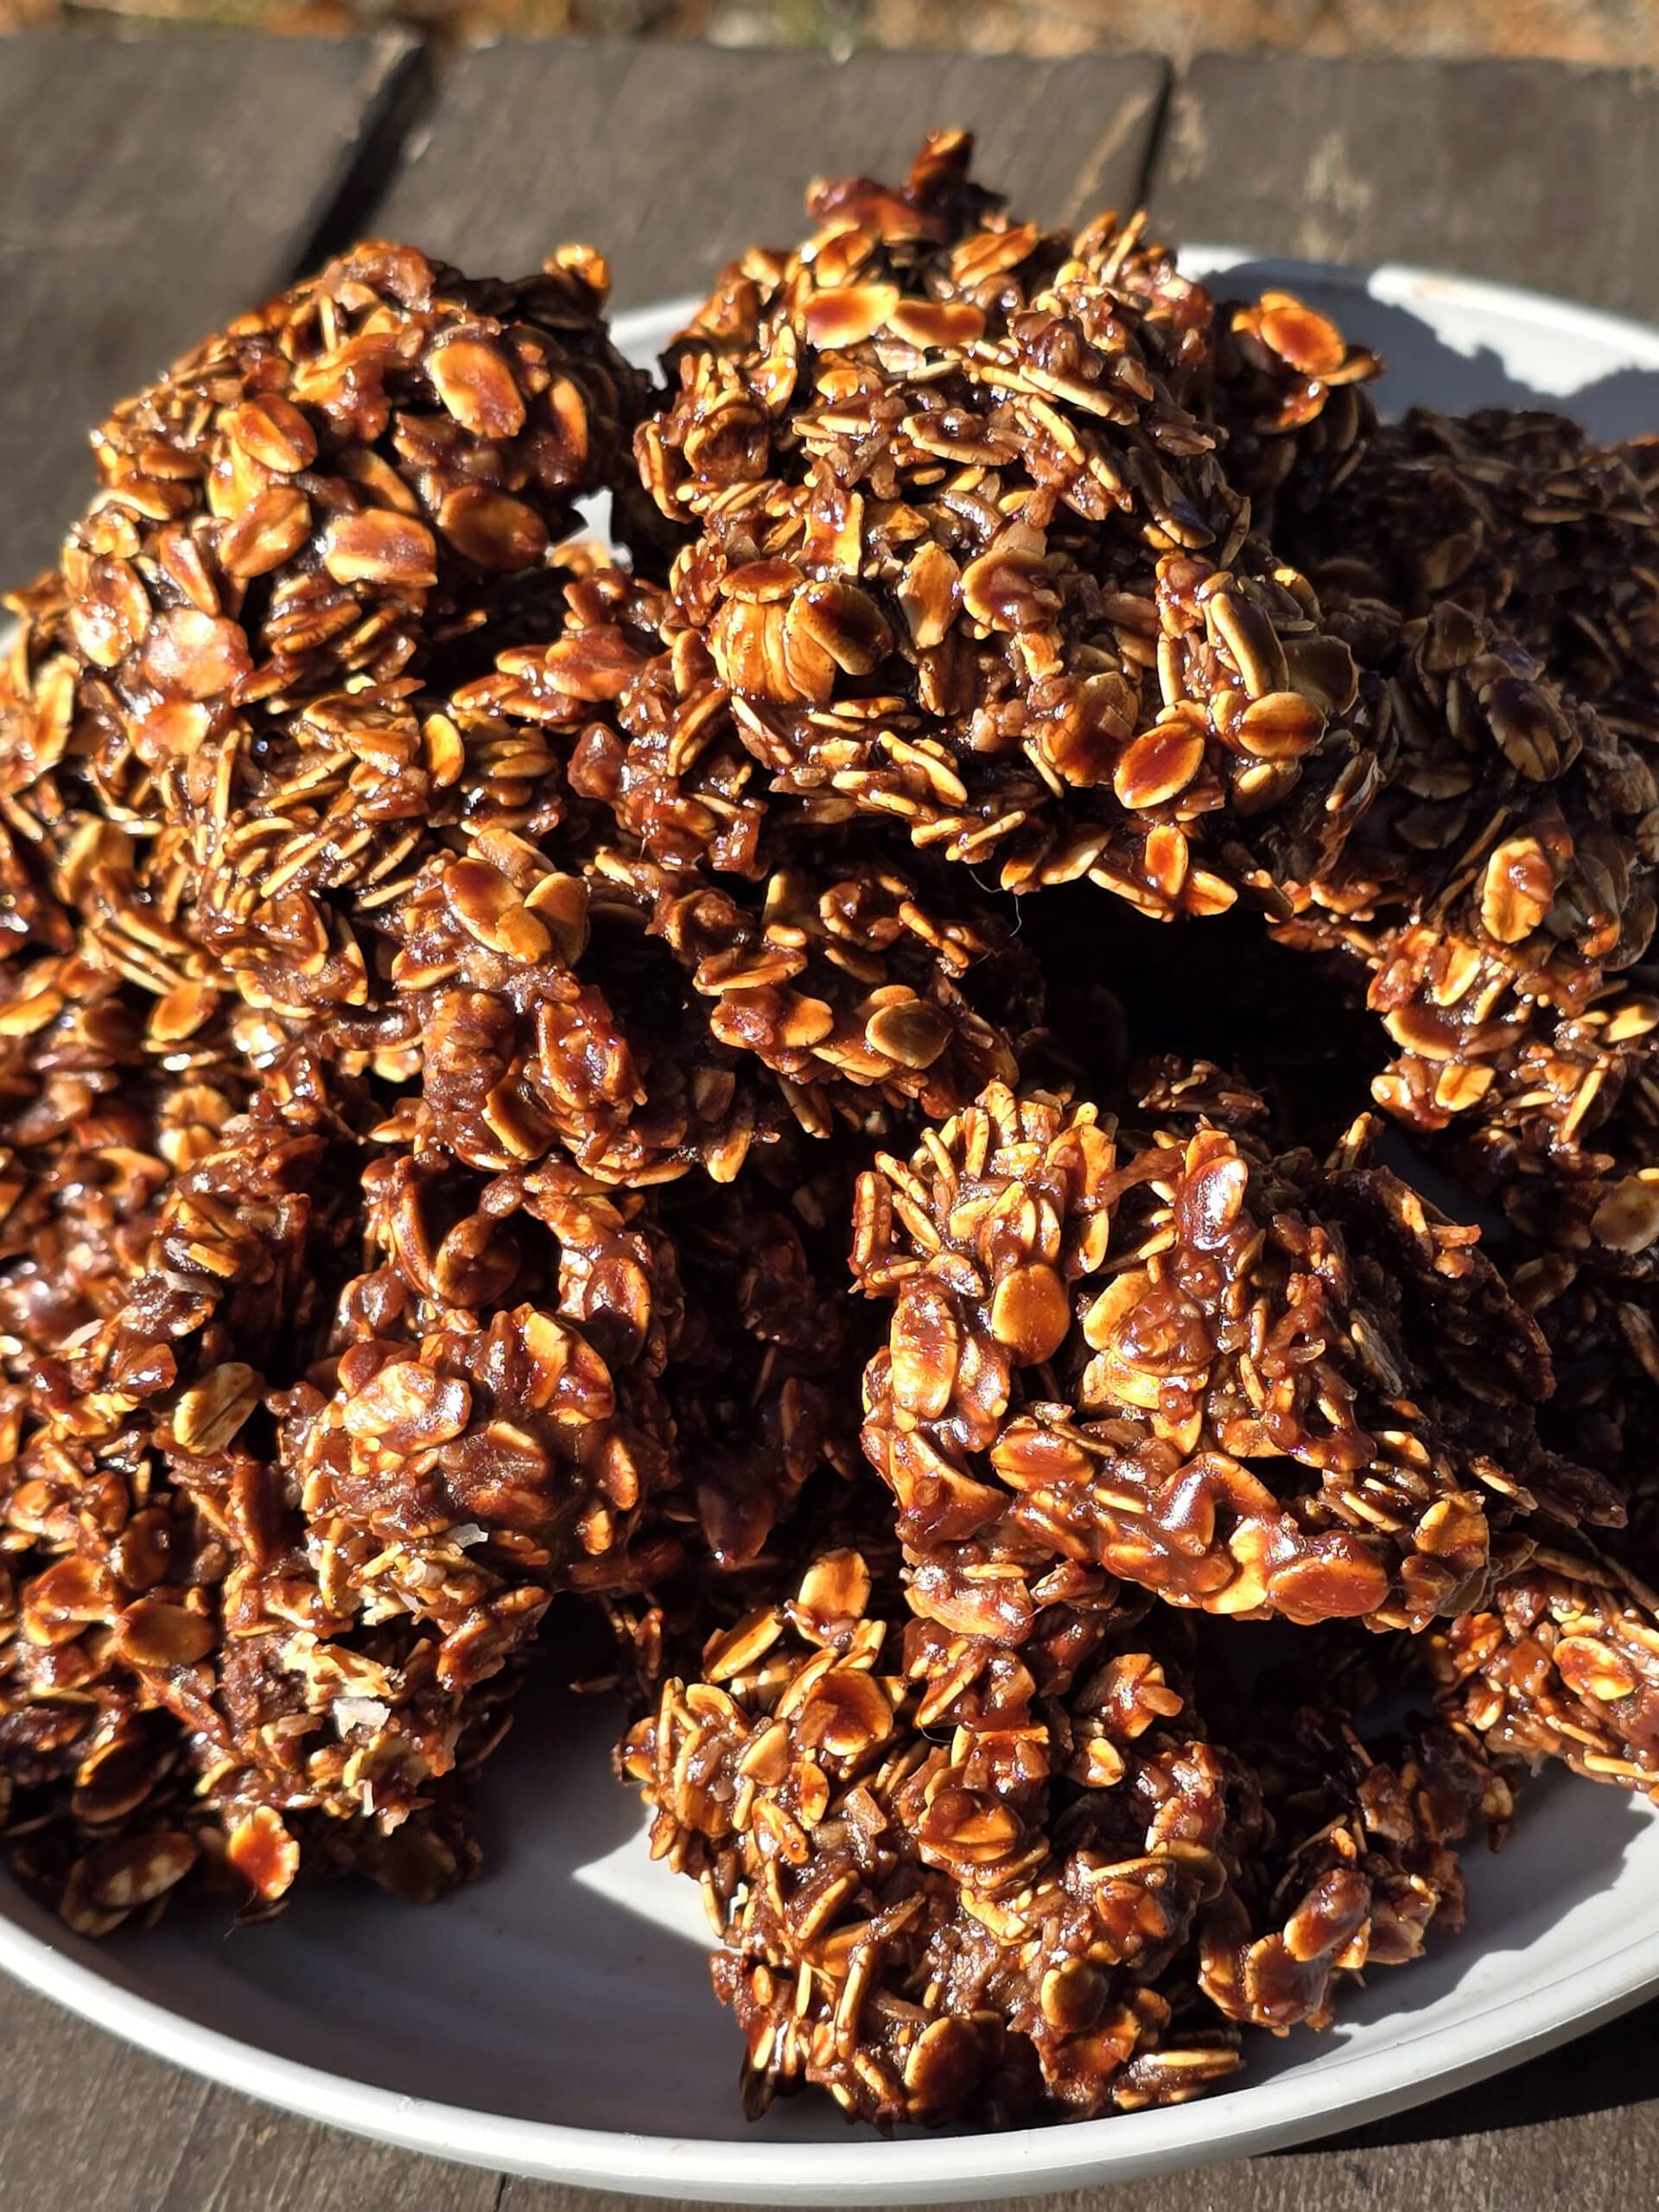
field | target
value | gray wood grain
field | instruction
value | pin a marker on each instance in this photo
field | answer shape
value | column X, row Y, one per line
column 673, row 158
column 91, row 2123
column 1523, row 170
column 151, row 187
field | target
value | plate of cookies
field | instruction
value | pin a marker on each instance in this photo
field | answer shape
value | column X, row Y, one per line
column 831, row 1206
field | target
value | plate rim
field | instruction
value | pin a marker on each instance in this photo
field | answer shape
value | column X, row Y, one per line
column 1295, row 2106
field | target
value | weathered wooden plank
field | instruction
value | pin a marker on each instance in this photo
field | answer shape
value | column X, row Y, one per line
column 87, row 2121
column 672, row 158
column 83, row 2119
column 1523, row 170
column 152, row 187
column 240, row 2156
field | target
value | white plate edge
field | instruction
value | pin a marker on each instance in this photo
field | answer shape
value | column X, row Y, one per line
column 1292, row 2107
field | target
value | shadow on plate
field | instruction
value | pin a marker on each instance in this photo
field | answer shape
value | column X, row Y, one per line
column 1421, row 363
column 1562, row 1820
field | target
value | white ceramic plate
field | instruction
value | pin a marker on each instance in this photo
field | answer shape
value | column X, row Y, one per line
column 556, row 2020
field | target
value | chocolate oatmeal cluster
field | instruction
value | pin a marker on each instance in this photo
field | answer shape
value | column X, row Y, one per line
column 883, row 1087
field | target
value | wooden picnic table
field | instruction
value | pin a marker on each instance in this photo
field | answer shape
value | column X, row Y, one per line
column 152, row 185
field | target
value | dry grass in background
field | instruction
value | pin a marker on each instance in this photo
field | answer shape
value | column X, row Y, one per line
column 1614, row 32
